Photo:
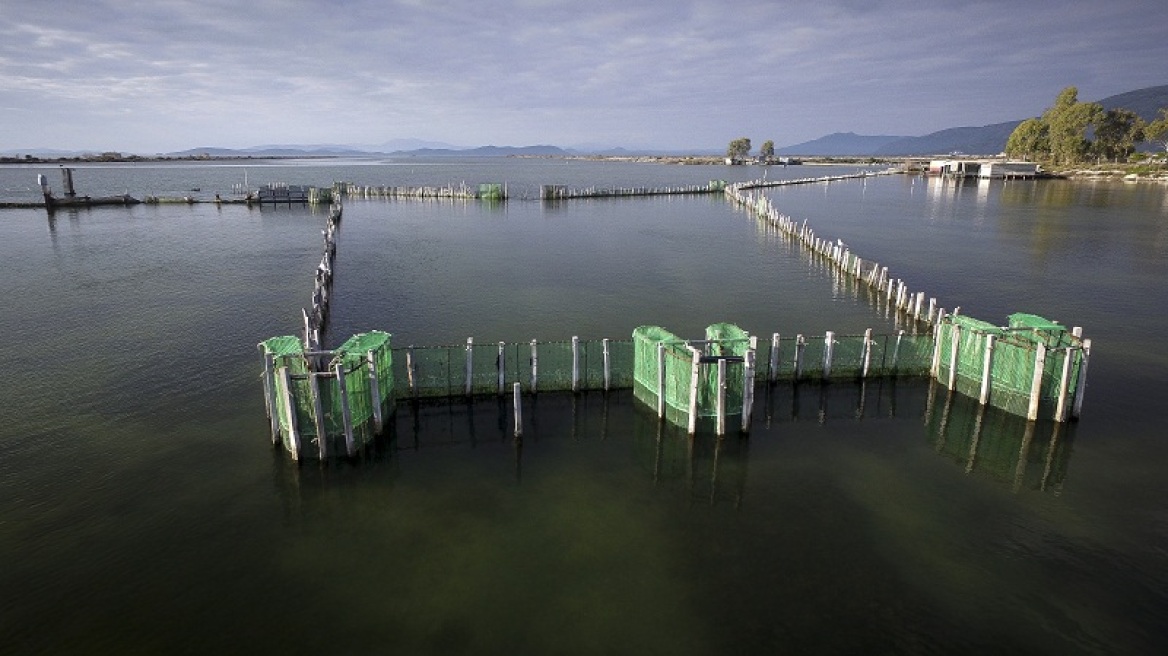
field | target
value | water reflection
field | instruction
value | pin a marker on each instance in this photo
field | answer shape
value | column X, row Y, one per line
column 968, row 438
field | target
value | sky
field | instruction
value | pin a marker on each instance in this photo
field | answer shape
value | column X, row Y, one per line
column 161, row 75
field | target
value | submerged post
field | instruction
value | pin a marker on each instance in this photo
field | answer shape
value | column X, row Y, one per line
column 518, row 402
column 469, row 364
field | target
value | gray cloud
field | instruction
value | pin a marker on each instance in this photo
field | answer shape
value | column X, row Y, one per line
column 147, row 77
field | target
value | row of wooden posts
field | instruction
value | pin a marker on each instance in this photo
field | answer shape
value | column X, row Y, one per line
column 316, row 318
column 837, row 253
column 562, row 192
column 897, row 293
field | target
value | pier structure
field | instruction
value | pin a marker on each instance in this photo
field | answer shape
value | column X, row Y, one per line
column 1029, row 367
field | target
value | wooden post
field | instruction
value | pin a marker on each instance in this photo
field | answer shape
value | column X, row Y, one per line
column 932, row 309
column 955, row 335
column 374, row 391
column 987, row 368
column 500, row 364
column 828, row 348
column 800, row 343
column 290, row 412
column 1036, row 385
column 867, row 353
column 748, row 388
column 695, row 372
column 575, row 363
column 661, row 379
column 773, row 370
column 318, row 415
column 270, row 395
column 469, row 364
column 938, row 330
column 346, row 413
column 518, row 401
column 920, row 303
column 896, row 351
column 411, row 371
column 607, row 375
column 1060, row 412
column 721, row 397
column 1082, row 386
column 534, row 366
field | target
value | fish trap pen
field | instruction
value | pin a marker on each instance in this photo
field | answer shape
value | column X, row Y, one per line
column 317, row 396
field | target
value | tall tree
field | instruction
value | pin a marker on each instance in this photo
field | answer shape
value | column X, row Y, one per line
column 1157, row 131
column 1030, row 140
column 1117, row 133
column 1067, row 122
column 768, row 150
column 738, row 148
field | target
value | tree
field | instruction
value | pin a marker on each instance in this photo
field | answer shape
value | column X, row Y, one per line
column 1067, row 122
column 738, row 149
column 1030, row 140
column 1117, row 133
column 768, row 150
column 1157, row 131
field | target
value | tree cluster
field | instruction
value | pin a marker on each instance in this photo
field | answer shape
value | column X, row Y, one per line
column 1071, row 132
column 739, row 149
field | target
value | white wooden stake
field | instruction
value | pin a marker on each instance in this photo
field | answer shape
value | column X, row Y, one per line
column 500, row 365
column 953, row 344
column 800, row 344
column 1082, row 386
column 575, row 363
column 270, row 395
column 828, row 349
column 607, row 376
column 867, row 352
column 773, row 371
column 721, row 397
column 748, row 390
column 695, row 373
column 534, row 366
column 374, row 392
column 987, row 368
column 346, row 413
column 1036, row 385
column 318, row 415
column 1060, row 412
column 290, row 412
column 661, row 379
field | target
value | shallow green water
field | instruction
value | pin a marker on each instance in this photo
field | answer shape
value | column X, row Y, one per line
column 143, row 510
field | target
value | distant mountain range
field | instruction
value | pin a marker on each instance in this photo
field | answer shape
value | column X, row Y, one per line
column 983, row 140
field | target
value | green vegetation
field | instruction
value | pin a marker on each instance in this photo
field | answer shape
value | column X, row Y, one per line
column 768, row 150
column 738, row 149
column 1072, row 132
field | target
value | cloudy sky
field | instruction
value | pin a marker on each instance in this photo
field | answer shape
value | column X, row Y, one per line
column 165, row 75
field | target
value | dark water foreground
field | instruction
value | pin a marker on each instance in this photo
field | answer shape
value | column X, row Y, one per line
column 143, row 510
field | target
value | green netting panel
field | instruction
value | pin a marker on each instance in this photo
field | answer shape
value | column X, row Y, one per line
column 645, row 340
column 491, row 191
column 847, row 358
column 555, row 366
column 431, row 371
column 622, row 361
column 1036, row 328
column 725, row 340
column 286, row 351
column 813, row 357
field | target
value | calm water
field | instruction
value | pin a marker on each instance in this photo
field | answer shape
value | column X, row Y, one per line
column 142, row 509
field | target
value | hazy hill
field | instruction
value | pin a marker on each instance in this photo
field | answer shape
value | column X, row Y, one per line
column 983, row 140
column 840, row 144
